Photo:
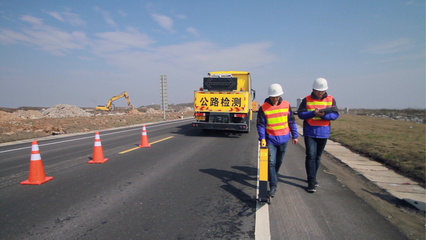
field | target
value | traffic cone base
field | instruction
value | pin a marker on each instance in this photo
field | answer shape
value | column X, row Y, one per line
column 36, row 175
column 102, row 161
column 27, row 182
column 144, row 138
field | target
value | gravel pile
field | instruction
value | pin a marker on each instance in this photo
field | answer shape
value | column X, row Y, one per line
column 134, row 112
column 64, row 110
column 30, row 114
column 153, row 111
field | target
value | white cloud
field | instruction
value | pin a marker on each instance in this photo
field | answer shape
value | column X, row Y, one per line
column 84, row 58
column 122, row 13
column 180, row 16
column 107, row 17
column 194, row 55
column 59, row 42
column 36, row 22
column 56, row 15
column 398, row 45
column 115, row 41
column 55, row 41
column 132, row 49
column 193, row 31
column 8, row 36
column 45, row 37
column 74, row 19
column 164, row 22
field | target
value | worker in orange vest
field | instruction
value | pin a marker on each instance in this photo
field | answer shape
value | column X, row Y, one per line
column 316, row 110
column 275, row 122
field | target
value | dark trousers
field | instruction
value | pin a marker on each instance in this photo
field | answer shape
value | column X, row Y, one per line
column 314, row 148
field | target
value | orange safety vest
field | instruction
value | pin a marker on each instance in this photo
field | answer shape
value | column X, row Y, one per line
column 276, row 118
column 312, row 103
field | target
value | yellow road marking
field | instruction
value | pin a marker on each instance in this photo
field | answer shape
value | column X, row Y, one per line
column 149, row 144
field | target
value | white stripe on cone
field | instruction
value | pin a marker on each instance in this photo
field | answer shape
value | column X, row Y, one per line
column 35, row 153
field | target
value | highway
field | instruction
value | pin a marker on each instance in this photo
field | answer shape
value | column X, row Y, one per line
column 189, row 184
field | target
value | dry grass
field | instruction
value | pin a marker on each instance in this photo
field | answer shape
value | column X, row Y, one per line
column 398, row 144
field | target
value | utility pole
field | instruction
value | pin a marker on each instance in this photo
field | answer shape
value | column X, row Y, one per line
column 163, row 94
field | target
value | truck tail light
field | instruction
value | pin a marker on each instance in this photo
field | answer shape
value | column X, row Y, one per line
column 240, row 115
column 199, row 114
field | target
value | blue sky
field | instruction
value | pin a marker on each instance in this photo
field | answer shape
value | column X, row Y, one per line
column 83, row 52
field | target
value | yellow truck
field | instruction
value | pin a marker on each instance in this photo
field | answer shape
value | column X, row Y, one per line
column 224, row 102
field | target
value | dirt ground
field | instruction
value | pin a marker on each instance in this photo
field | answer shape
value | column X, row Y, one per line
column 31, row 124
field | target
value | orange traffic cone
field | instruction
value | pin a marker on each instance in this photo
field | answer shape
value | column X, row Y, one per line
column 144, row 138
column 98, row 152
column 36, row 175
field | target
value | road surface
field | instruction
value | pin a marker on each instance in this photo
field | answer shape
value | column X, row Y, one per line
column 189, row 184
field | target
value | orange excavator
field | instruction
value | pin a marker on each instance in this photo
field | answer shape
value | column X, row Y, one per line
column 110, row 106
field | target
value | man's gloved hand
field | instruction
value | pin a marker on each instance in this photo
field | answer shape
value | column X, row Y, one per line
column 263, row 143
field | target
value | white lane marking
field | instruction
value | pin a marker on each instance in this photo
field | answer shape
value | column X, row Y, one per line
column 76, row 139
column 262, row 230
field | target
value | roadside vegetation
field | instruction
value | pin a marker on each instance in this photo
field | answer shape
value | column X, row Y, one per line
column 399, row 144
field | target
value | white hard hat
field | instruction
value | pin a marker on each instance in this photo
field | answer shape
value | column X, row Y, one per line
column 320, row 84
column 275, row 90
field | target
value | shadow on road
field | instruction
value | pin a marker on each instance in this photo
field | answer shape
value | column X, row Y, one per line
column 391, row 199
column 188, row 130
column 287, row 180
column 231, row 178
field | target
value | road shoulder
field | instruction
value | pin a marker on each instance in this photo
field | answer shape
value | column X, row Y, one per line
column 401, row 214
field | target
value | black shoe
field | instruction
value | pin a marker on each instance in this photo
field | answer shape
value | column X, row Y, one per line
column 311, row 187
column 272, row 192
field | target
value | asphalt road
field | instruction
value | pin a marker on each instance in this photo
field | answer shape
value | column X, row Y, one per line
column 189, row 184
column 332, row 212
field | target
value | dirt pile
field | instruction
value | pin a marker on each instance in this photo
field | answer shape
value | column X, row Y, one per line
column 153, row 111
column 64, row 110
column 7, row 117
column 134, row 112
column 30, row 114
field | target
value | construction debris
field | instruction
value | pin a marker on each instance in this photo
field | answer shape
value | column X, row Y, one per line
column 133, row 112
column 64, row 110
column 30, row 114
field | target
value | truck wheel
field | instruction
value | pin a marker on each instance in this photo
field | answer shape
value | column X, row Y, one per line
column 248, row 125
